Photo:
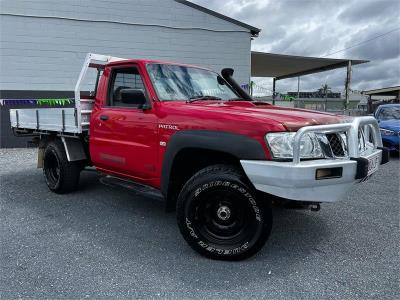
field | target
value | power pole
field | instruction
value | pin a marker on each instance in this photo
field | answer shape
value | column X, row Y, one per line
column 347, row 85
column 297, row 102
column 298, row 87
column 273, row 91
column 326, row 98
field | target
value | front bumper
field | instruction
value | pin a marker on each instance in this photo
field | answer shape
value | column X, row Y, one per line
column 297, row 179
column 298, row 182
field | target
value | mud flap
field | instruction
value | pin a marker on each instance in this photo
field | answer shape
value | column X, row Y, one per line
column 40, row 161
column 74, row 149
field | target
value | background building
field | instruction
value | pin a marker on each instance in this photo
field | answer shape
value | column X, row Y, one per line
column 317, row 94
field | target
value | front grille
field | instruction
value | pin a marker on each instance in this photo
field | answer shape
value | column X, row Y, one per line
column 336, row 144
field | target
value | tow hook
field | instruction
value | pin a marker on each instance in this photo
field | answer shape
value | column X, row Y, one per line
column 315, row 207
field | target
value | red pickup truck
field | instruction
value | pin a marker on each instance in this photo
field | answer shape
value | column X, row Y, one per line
column 216, row 156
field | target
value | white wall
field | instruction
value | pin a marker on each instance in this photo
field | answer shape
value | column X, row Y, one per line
column 39, row 53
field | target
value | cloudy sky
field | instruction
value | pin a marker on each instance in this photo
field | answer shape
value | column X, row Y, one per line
column 321, row 27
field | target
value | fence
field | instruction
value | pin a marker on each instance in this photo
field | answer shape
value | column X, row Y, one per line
column 335, row 106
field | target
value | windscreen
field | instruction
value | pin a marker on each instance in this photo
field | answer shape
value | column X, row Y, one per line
column 173, row 82
column 389, row 113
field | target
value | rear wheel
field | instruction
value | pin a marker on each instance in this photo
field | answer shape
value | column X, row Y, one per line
column 61, row 175
column 219, row 215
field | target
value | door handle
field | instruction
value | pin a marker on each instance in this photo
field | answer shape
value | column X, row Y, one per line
column 103, row 117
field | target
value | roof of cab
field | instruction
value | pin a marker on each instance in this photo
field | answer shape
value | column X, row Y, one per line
column 150, row 61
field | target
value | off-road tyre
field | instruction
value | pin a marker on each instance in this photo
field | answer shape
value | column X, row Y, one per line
column 61, row 175
column 220, row 216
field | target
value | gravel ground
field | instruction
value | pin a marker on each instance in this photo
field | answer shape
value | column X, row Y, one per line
column 102, row 242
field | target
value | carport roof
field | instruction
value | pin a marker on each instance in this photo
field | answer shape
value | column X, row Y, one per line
column 282, row 66
column 388, row 91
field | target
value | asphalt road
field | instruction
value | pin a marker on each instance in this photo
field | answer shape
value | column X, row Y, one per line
column 102, row 242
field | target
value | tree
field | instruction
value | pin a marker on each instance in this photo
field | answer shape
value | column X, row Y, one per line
column 325, row 90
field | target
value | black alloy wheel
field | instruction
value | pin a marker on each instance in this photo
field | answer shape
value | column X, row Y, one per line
column 220, row 216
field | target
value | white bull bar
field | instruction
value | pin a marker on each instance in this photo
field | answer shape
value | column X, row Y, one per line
column 296, row 179
column 369, row 124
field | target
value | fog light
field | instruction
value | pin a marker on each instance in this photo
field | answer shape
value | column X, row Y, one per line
column 328, row 173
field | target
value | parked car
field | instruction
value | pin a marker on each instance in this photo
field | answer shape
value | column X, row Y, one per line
column 388, row 116
column 217, row 157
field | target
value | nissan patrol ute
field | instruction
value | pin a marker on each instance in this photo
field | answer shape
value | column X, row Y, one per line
column 217, row 157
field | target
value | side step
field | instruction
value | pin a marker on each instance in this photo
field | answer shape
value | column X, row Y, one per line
column 135, row 187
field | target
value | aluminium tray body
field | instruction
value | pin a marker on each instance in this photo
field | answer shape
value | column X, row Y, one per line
column 45, row 119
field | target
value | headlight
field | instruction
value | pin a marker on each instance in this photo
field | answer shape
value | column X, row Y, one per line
column 281, row 145
column 387, row 132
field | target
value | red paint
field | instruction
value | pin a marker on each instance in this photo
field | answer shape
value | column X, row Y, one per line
column 132, row 142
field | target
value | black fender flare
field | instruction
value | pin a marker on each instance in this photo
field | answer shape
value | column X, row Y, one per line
column 237, row 145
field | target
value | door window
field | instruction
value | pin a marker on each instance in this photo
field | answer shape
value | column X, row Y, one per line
column 124, row 79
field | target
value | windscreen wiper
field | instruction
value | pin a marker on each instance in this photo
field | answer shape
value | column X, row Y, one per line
column 199, row 98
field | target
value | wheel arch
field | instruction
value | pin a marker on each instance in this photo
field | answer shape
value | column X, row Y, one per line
column 208, row 147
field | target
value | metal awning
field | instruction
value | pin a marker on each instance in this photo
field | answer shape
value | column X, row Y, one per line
column 388, row 91
column 281, row 66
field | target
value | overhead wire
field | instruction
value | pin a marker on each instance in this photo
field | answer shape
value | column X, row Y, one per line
column 363, row 42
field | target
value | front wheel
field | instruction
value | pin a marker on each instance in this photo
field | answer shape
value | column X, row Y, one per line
column 219, row 215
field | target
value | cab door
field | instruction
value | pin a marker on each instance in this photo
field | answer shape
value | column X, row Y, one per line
column 123, row 137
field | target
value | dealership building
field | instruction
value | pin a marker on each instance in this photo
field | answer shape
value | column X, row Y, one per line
column 43, row 43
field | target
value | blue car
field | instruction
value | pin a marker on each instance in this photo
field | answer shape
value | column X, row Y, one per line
column 388, row 116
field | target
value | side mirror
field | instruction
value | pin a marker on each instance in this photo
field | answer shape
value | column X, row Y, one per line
column 134, row 97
